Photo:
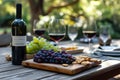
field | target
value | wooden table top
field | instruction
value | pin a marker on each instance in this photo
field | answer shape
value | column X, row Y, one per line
column 13, row 72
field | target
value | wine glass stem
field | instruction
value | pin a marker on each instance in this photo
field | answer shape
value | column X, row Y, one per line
column 89, row 43
column 73, row 43
column 56, row 42
column 104, row 44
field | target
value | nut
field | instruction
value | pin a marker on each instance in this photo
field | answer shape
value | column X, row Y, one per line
column 65, row 65
column 8, row 57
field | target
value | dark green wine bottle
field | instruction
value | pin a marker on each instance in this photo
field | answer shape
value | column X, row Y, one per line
column 18, row 37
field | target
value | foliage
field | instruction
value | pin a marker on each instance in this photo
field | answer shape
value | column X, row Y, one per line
column 7, row 13
column 102, row 11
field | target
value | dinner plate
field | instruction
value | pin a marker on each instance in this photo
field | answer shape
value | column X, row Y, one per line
column 111, row 53
column 109, row 50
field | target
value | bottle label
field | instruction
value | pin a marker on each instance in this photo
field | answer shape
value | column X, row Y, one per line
column 18, row 40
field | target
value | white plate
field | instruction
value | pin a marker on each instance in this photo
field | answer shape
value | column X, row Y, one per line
column 109, row 50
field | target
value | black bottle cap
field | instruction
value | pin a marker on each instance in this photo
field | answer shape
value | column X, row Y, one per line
column 18, row 11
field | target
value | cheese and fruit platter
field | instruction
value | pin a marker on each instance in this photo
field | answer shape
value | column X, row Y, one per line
column 60, row 62
column 46, row 56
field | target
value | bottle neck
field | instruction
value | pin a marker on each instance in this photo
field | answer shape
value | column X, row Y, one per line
column 18, row 11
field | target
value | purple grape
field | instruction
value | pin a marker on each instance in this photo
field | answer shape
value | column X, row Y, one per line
column 49, row 56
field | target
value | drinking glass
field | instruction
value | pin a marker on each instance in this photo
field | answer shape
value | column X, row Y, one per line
column 56, row 30
column 89, row 31
column 104, row 35
column 72, row 32
column 38, row 29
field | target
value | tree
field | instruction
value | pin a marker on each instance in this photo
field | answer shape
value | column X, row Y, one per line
column 73, row 10
column 37, row 8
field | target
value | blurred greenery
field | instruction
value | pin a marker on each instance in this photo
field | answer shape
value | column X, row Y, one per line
column 104, row 12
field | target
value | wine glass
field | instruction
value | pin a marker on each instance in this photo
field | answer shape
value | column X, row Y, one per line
column 89, row 31
column 38, row 29
column 72, row 32
column 104, row 35
column 57, row 30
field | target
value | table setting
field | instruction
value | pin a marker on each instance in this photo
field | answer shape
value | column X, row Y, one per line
column 47, row 56
column 109, row 51
column 106, row 46
column 66, row 58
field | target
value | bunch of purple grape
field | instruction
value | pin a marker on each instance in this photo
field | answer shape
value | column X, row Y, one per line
column 49, row 56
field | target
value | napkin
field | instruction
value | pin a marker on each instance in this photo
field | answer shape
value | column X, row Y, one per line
column 110, row 48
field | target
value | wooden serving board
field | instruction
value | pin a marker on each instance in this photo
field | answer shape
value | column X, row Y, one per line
column 71, row 69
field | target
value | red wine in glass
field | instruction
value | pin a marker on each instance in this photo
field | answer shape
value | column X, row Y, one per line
column 39, row 32
column 56, row 37
column 89, row 34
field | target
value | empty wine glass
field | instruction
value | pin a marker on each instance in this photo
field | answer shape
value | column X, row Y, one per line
column 57, row 30
column 38, row 29
column 104, row 35
column 72, row 32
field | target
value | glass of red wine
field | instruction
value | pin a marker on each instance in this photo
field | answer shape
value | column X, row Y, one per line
column 89, row 31
column 56, row 30
column 38, row 29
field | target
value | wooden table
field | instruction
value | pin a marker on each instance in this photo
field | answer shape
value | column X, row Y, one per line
column 108, row 68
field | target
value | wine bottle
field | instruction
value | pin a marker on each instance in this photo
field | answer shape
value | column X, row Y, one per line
column 18, row 37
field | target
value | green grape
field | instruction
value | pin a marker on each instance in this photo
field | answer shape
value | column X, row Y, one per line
column 50, row 46
column 35, row 40
column 40, row 43
column 30, row 49
column 42, row 39
column 30, row 44
column 36, row 46
column 46, row 47
column 55, row 48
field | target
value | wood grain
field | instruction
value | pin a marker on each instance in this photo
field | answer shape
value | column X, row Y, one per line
column 12, row 72
column 71, row 69
column 29, row 75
